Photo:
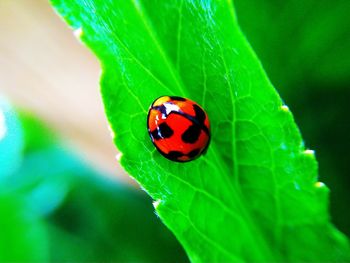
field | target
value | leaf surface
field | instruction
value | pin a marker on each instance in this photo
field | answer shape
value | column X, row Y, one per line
column 254, row 196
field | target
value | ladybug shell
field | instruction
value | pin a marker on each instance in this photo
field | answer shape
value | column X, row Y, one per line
column 179, row 128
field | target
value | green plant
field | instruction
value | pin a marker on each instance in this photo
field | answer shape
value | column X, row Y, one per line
column 254, row 196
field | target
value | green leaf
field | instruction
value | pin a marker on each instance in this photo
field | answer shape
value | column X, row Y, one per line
column 254, row 196
column 37, row 135
column 115, row 223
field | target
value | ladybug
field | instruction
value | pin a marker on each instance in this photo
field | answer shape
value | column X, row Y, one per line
column 179, row 128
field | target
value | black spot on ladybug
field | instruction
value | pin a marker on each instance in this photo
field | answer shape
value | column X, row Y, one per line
column 177, row 98
column 191, row 135
column 163, row 131
column 200, row 114
column 155, row 135
column 173, row 155
column 193, row 153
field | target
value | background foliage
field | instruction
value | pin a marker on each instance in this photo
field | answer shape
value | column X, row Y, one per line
column 305, row 48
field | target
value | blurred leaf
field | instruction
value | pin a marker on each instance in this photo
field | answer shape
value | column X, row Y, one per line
column 299, row 41
column 11, row 140
column 23, row 236
column 305, row 48
column 41, row 179
column 254, row 196
column 36, row 134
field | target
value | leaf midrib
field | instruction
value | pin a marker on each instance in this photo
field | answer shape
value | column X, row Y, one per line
column 165, row 58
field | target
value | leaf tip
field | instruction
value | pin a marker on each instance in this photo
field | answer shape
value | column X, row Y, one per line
column 111, row 132
column 156, row 203
column 78, row 33
column 118, row 156
column 319, row 185
column 285, row 108
column 309, row 152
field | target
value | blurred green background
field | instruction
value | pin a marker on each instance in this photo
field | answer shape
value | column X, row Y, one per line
column 305, row 48
column 56, row 207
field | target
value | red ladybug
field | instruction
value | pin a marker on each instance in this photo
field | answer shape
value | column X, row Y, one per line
column 179, row 128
